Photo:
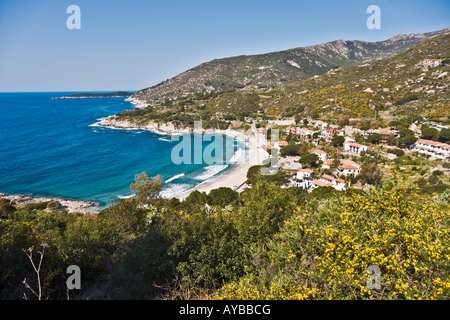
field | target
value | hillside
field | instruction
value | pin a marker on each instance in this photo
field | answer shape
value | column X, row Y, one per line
column 399, row 85
column 386, row 88
column 266, row 71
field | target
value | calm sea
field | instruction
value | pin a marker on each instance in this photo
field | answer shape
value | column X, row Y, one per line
column 48, row 148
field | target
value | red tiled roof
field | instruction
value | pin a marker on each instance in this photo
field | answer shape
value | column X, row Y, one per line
column 322, row 184
column 347, row 166
column 327, row 177
column 319, row 151
column 434, row 143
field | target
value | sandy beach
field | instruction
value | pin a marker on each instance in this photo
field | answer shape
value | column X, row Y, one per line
column 235, row 177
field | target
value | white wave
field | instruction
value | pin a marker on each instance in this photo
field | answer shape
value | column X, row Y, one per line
column 175, row 177
column 238, row 156
column 211, row 171
column 126, row 197
column 164, row 139
column 174, row 190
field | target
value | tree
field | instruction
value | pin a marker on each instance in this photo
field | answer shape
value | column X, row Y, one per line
column 370, row 174
column 407, row 140
column 392, row 140
column 222, row 197
column 290, row 150
column 343, row 121
column 405, row 132
column 196, row 198
column 338, row 141
column 430, row 133
column 6, row 208
column 303, row 150
column 374, row 138
column 309, row 159
column 444, row 136
column 146, row 189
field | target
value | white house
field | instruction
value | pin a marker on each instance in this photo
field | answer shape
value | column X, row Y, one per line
column 349, row 167
column 328, row 134
column 354, row 147
column 280, row 144
column 319, row 124
column 349, row 139
column 338, row 184
column 434, row 149
column 430, row 62
column 320, row 183
column 304, row 133
column 322, row 154
column 304, row 174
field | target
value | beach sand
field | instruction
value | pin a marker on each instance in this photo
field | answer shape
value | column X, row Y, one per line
column 235, row 177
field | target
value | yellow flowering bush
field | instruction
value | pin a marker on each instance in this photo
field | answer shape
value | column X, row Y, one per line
column 324, row 250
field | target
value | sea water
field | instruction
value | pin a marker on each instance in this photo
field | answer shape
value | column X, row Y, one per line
column 49, row 148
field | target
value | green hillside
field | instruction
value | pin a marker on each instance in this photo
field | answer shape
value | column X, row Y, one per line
column 270, row 70
column 386, row 88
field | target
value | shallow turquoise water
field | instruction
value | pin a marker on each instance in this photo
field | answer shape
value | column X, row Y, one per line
column 48, row 148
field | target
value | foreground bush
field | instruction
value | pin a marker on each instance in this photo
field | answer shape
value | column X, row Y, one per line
column 324, row 251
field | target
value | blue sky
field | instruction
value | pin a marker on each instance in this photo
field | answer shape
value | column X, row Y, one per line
column 130, row 45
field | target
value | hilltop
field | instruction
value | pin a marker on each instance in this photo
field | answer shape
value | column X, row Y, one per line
column 270, row 70
column 387, row 88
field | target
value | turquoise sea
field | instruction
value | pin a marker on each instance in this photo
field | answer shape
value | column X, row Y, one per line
column 49, row 148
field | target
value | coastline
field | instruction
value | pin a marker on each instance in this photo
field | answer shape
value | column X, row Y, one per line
column 236, row 176
column 72, row 205
column 233, row 178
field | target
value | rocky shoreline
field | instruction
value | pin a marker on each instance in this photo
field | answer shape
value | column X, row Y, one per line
column 70, row 205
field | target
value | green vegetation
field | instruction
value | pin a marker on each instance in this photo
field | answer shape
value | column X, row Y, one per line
column 264, row 243
column 366, row 93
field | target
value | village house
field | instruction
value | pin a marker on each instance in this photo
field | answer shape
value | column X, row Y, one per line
column 280, row 144
column 320, row 183
column 327, row 164
column 328, row 134
column 301, row 178
column 349, row 167
column 319, row 124
column 434, row 149
column 350, row 139
column 354, row 147
column 430, row 62
column 304, row 174
column 322, row 154
column 385, row 132
column 338, row 184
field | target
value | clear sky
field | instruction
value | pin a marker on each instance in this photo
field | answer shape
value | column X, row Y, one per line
column 133, row 44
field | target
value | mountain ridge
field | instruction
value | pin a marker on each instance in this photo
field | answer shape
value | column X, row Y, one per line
column 270, row 70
